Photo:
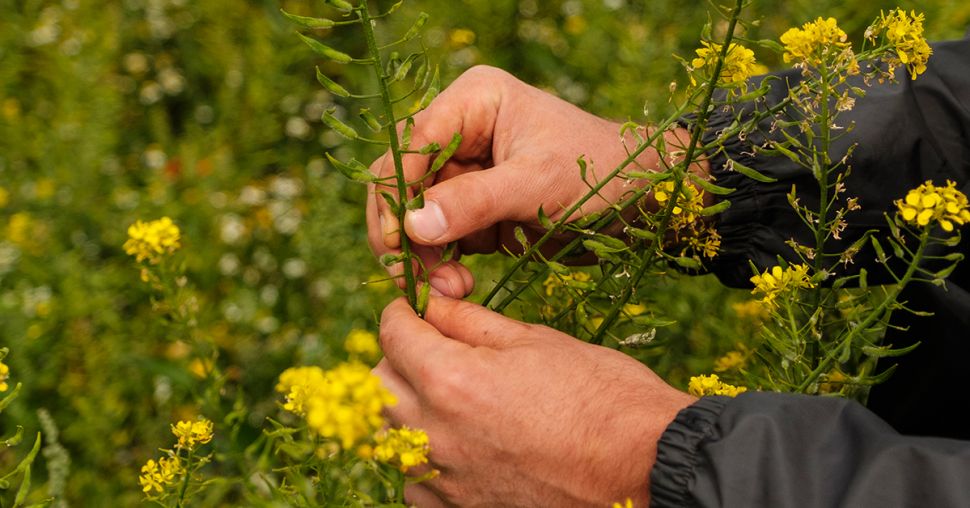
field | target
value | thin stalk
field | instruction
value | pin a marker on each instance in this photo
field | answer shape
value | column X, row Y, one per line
column 873, row 316
column 410, row 281
column 820, row 228
column 695, row 137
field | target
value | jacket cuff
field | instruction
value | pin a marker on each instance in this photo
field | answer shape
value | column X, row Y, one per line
column 673, row 473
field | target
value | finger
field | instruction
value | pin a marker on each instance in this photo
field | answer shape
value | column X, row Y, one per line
column 407, row 410
column 473, row 324
column 471, row 202
column 417, row 494
column 412, row 346
column 450, row 278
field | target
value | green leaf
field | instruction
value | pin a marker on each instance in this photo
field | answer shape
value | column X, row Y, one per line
column 372, row 122
column 341, row 5
column 887, row 351
column 353, row 170
column 708, row 186
column 750, row 172
column 391, row 201
column 15, row 439
column 557, row 267
column 403, row 68
column 424, row 295
column 341, row 128
column 391, row 259
column 520, row 237
column 326, row 51
column 581, row 161
column 406, row 133
column 331, row 85
column 415, row 203
column 642, row 234
column 688, row 263
column 416, row 27
column 433, row 89
column 430, row 148
column 446, row 153
column 716, row 209
column 308, row 22
column 544, row 219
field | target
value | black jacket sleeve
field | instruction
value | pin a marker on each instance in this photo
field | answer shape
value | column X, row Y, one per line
column 766, row 449
column 784, row 450
column 905, row 133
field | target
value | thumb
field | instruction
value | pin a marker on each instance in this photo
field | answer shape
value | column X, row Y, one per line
column 473, row 201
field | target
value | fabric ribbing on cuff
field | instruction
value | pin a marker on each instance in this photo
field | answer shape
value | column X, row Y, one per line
column 673, row 473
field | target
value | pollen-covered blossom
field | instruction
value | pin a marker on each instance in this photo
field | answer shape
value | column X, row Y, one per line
column 739, row 62
column 152, row 240
column 159, row 475
column 362, row 343
column 403, row 447
column 4, row 376
column 190, row 434
column 700, row 386
column 905, row 32
column 808, row 43
column 928, row 204
column 344, row 403
column 690, row 202
column 777, row 280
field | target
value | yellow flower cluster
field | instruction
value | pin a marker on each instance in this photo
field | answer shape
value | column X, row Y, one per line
column 928, row 204
column 4, row 197
column 362, row 343
column 730, row 361
column 700, row 386
column 190, row 434
column 808, row 43
column 404, row 447
column 689, row 203
column 159, row 475
column 905, row 32
column 627, row 504
column 775, row 281
column 344, row 403
column 152, row 240
column 4, row 376
column 739, row 63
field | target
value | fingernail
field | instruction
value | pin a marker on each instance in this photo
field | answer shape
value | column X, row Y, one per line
column 443, row 286
column 428, row 223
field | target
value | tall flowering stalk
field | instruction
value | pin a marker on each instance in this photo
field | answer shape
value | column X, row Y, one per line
column 389, row 70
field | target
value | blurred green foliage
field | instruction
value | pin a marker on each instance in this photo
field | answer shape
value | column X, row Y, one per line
column 207, row 111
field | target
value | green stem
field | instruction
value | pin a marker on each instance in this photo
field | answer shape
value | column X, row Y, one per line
column 699, row 126
column 185, row 481
column 410, row 281
column 873, row 316
column 821, row 226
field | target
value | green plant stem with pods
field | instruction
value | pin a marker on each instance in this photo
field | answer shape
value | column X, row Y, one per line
column 387, row 71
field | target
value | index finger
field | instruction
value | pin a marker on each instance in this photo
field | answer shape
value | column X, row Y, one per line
column 412, row 346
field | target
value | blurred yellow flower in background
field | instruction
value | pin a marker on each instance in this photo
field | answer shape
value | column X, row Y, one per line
column 152, row 240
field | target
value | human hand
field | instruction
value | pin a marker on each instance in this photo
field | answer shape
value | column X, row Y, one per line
column 518, row 153
column 520, row 414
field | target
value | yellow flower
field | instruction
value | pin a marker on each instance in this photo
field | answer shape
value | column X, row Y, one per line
column 4, row 197
column 190, row 434
column 686, row 210
column 739, row 63
column 4, row 376
column 776, row 281
column 730, row 361
column 700, row 386
column 929, row 204
column 404, row 447
column 362, row 343
column 905, row 33
column 159, row 475
column 750, row 310
column 20, row 228
column 152, row 240
column 344, row 403
column 815, row 38
column 627, row 504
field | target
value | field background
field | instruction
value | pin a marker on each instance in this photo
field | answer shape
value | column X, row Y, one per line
column 207, row 111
